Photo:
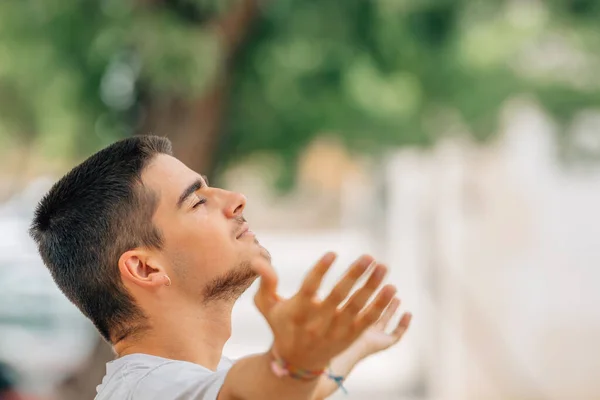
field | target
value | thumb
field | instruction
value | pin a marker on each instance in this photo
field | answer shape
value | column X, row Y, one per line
column 266, row 296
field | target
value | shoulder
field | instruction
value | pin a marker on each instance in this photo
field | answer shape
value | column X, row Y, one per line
column 225, row 363
column 148, row 377
column 124, row 373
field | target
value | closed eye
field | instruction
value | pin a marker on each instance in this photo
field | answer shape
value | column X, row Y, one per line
column 201, row 201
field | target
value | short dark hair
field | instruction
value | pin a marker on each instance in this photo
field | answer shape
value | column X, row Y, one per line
column 92, row 215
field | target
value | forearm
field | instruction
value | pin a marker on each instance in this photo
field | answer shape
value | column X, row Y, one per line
column 341, row 365
column 252, row 378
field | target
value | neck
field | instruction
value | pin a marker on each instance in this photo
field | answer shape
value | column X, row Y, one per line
column 197, row 336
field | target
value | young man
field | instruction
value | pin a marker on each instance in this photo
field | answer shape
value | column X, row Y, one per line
column 156, row 258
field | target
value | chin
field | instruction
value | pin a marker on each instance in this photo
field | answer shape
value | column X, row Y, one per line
column 231, row 285
column 264, row 253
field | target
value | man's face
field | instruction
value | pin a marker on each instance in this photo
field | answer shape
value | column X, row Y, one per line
column 207, row 246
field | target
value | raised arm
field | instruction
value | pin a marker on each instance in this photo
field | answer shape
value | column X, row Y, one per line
column 308, row 333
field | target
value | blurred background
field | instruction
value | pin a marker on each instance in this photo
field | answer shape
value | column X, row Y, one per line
column 456, row 140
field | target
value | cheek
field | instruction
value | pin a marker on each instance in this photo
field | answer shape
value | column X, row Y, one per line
column 202, row 243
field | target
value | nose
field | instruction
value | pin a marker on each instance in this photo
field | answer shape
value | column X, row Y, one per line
column 235, row 205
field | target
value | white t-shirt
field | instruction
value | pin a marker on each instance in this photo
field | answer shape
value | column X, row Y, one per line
column 146, row 377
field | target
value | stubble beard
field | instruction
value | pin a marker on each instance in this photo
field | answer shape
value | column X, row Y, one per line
column 231, row 285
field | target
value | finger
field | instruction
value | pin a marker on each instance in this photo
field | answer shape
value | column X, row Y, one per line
column 313, row 280
column 345, row 285
column 388, row 314
column 402, row 326
column 374, row 310
column 266, row 296
column 358, row 300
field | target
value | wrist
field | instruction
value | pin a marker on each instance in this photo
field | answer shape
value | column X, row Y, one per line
column 282, row 366
column 359, row 351
column 299, row 359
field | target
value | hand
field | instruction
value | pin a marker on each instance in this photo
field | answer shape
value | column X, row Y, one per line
column 376, row 338
column 373, row 340
column 309, row 332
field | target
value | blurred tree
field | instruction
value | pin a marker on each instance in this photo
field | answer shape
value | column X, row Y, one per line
column 226, row 78
column 78, row 75
column 75, row 76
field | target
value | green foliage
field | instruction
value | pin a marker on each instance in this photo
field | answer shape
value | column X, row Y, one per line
column 74, row 74
column 381, row 72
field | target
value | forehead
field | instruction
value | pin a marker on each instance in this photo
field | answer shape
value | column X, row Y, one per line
column 168, row 177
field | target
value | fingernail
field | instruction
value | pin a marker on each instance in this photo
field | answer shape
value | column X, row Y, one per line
column 391, row 290
column 380, row 272
column 329, row 257
column 366, row 261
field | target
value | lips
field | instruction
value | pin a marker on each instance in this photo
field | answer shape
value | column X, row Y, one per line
column 245, row 228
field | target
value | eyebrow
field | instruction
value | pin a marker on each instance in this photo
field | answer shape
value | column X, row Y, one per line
column 191, row 189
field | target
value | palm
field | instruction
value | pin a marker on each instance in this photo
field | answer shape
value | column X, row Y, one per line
column 377, row 338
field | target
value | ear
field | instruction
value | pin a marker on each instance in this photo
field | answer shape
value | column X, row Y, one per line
column 139, row 268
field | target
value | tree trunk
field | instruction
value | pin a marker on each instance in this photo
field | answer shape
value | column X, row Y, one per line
column 194, row 127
